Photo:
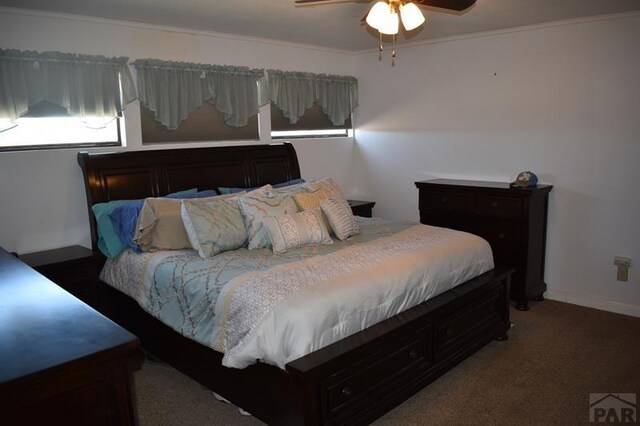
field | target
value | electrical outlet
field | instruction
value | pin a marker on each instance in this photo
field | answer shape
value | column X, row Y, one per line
column 623, row 264
column 622, row 261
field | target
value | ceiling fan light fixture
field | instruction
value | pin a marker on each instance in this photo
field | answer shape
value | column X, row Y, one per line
column 411, row 16
column 378, row 15
column 391, row 24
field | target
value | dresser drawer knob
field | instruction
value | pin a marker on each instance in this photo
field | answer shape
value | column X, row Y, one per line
column 501, row 235
column 413, row 354
column 347, row 392
column 494, row 204
column 444, row 199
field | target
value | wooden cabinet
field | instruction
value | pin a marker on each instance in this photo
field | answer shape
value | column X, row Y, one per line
column 512, row 220
column 74, row 268
column 63, row 363
column 362, row 208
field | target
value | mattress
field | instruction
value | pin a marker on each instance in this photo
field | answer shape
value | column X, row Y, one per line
column 254, row 305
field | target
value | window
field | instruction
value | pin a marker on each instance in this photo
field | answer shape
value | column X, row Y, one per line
column 49, row 126
column 313, row 124
column 204, row 124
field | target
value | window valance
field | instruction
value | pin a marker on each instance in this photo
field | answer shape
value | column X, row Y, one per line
column 296, row 92
column 172, row 90
column 88, row 86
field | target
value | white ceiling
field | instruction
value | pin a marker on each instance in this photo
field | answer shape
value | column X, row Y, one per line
column 333, row 24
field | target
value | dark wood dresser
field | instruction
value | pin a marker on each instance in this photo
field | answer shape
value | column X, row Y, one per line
column 512, row 220
column 61, row 362
column 74, row 268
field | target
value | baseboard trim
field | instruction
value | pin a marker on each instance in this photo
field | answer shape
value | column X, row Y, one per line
column 595, row 302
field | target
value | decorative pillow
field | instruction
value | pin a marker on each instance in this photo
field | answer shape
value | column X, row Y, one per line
column 316, row 193
column 226, row 191
column 214, row 226
column 327, row 187
column 263, row 191
column 296, row 230
column 125, row 217
column 290, row 189
column 160, row 225
column 289, row 183
column 255, row 210
column 109, row 242
column 340, row 217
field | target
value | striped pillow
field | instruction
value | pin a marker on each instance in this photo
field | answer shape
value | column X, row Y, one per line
column 291, row 231
column 340, row 217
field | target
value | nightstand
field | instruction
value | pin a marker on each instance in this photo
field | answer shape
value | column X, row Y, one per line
column 361, row 208
column 74, row 268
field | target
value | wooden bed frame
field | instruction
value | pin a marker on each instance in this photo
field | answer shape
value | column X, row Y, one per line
column 352, row 381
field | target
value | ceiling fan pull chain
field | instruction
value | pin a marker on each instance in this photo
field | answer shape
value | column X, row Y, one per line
column 393, row 53
column 380, row 46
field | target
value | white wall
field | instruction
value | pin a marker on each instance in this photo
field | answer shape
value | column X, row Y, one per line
column 560, row 100
column 563, row 101
column 43, row 203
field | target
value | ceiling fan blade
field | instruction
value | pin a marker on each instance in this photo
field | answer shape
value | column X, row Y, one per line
column 445, row 4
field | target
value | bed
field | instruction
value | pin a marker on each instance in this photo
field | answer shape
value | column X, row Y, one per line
column 350, row 381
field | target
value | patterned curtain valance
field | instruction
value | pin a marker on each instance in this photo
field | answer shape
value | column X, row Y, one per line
column 296, row 92
column 88, row 86
column 172, row 90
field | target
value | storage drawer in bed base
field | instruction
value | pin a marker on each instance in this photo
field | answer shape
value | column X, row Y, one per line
column 431, row 339
column 352, row 381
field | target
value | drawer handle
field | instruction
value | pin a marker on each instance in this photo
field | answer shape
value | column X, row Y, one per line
column 444, row 199
column 347, row 392
column 494, row 204
column 413, row 354
column 501, row 235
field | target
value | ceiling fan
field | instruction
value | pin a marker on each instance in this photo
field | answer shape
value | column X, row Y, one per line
column 385, row 15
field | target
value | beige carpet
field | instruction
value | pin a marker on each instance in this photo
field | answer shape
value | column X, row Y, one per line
column 556, row 355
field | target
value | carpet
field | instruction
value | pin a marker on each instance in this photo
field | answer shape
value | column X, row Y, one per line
column 556, row 355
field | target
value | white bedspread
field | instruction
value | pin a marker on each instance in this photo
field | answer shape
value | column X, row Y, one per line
column 293, row 309
column 256, row 305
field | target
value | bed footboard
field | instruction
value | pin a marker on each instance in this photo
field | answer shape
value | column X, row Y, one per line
column 354, row 380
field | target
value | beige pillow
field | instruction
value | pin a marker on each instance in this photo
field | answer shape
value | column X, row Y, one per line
column 301, row 229
column 340, row 217
column 160, row 225
column 327, row 186
column 322, row 190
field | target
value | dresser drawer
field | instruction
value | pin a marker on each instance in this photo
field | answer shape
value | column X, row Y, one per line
column 445, row 202
column 474, row 318
column 381, row 372
column 500, row 233
column 78, row 279
column 497, row 206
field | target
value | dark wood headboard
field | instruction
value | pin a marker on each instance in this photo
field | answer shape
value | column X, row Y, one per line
column 140, row 174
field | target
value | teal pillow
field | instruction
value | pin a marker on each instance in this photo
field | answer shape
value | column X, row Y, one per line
column 109, row 242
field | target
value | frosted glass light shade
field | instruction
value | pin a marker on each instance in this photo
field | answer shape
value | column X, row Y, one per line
column 391, row 23
column 411, row 16
column 378, row 15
